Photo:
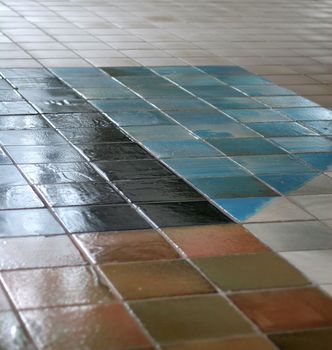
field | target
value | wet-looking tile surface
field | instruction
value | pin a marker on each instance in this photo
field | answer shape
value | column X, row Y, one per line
column 163, row 208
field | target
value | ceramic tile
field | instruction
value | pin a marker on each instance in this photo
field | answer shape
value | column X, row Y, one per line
column 232, row 187
column 313, row 113
column 56, row 287
column 218, row 240
column 12, row 334
column 264, row 90
column 4, row 158
column 292, row 236
column 225, row 129
column 87, row 193
column 106, row 93
column 30, row 137
column 236, row 103
column 63, row 106
column 89, row 326
column 184, row 214
column 250, row 271
column 122, row 105
column 182, row 104
column 101, row 218
column 52, row 173
column 36, row 83
column 11, row 176
column 133, row 169
column 17, row 122
column 34, row 252
column 78, row 120
column 286, row 102
column 287, row 310
column 306, row 144
column 317, row 205
column 214, row 91
column 320, row 161
column 143, row 280
column 14, row 108
column 280, row 129
column 322, row 127
column 176, row 320
column 125, row 246
column 4, row 303
column 310, row 263
column 256, row 115
column 321, row 338
column 165, row 189
column 16, row 197
column 58, row 94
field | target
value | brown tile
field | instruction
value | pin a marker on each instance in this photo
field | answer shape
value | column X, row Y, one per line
column 85, row 327
column 12, row 335
column 214, row 240
column 286, row 310
column 250, row 271
column 125, row 246
column 320, row 339
column 184, row 319
column 55, row 287
column 156, row 279
column 29, row 252
column 243, row 343
column 4, row 303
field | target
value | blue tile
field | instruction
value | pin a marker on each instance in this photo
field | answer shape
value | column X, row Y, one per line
column 158, row 133
column 174, row 70
column 127, row 71
column 232, row 187
column 235, row 102
column 78, row 72
column 311, row 113
column 265, row 90
column 89, row 82
column 197, row 80
column 286, row 101
column 321, row 161
column 139, row 118
column 189, row 103
column 117, row 105
column 272, row 164
column 322, row 127
column 232, row 70
column 305, row 144
column 222, row 130
column 255, row 115
column 288, row 183
column 205, row 167
column 193, row 118
column 215, row 91
column 181, row 149
column 236, row 80
column 106, row 93
column 243, row 146
column 242, row 209
column 280, row 129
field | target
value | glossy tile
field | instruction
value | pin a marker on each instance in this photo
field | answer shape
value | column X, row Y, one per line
column 78, row 120
column 287, row 310
column 305, row 144
column 122, row 105
column 286, row 101
column 56, row 287
column 202, row 317
column 61, row 94
column 11, row 176
column 322, row 127
column 256, row 115
column 219, row 130
column 4, row 303
column 320, row 161
column 143, row 280
column 184, row 214
column 16, row 197
column 18, row 122
column 313, row 113
column 236, row 103
column 281, row 129
column 125, row 246
column 87, row 193
column 291, row 236
column 4, row 158
column 17, row 107
column 101, row 218
column 34, row 252
column 30, row 137
column 214, row 240
column 89, row 326
column 63, row 106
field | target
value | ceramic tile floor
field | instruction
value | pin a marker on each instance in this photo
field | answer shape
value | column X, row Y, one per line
column 162, row 208
column 181, row 206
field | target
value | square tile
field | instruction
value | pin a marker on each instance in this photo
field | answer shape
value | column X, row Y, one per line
column 4, row 303
column 310, row 262
column 17, row 197
column 11, row 176
column 292, row 236
column 30, row 137
column 184, row 214
column 18, row 122
column 86, row 193
column 189, row 318
column 14, row 108
column 94, row 327
column 304, row 144
column 322, row 127
column 214, row 240
column 33, row 252
column 312, row 113
column 56, row 287
column 286, row 310
column 250, row 271
column 125, row 246
column 144, row 280
column 317, row 205
column 256, row 115
column 78, row 120
column 101, row 218
column 281, row 129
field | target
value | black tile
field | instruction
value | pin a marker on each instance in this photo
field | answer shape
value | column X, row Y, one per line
column 80, row 194
column 9, row 175
column 30, row 137
column 184, row 214
column 95, row 135
column 78, row 120
column 101, row 218
column 115, row 151
column 49, row 94
column 44, row 154
column 62, row 106
column 60, row 173
column 19, row 122
column 166, row 189
column 28, row 222
column 37, row 83
column 14, row 108
column 16, row 197
column 132, row 169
